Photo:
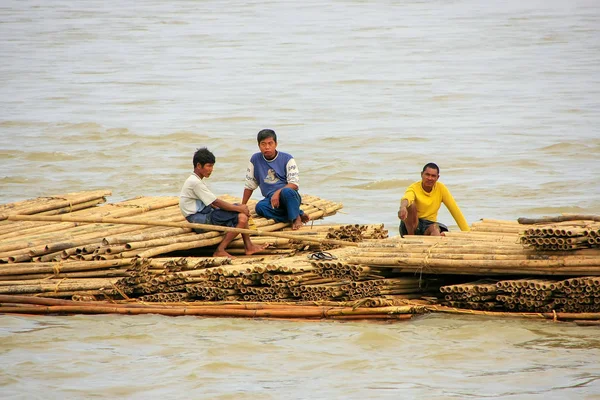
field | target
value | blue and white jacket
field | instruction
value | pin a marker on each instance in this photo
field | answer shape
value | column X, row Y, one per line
column 271, row 175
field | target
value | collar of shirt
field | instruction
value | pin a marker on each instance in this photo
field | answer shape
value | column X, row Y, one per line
column 272, row 159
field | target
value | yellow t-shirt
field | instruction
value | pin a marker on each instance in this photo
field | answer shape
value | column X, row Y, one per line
column 428, row 204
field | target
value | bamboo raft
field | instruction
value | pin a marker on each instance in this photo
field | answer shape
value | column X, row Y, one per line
column 74, row 253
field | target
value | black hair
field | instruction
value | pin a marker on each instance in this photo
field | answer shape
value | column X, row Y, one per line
column 203, row 156
column 433, row 166
column 265, row 134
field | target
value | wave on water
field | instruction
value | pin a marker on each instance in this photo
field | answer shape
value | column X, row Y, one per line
column 384, row 184
column 137, row 83
column 415, row 139
column 52, row 156
column 360, row 82
column 224, row 366
column 80, row 125
column 229, row 119
column 15, row 179
column 89, row 131
column 362, row 140
column 11, row 154
column 21, row 124
column 139, row 102
column 526, row 164
column 380, row 339
column 175, row 22
column 565, row 148
column 449, row 97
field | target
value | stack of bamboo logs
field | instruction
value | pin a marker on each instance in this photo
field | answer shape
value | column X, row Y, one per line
column 527, row 295
column 290, row 279
column 26, row 241
column 53, row 205
column 479, row 295
column 96, row 253
column 338, row 311
column 562, row 236
column 355, row 233
column 319, row 233
column 569, row 295
column 491, row 248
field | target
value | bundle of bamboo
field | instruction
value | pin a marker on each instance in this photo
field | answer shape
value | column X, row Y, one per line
column 108, row 234
column 53, row 205
column 478, row 295
column 570, row 235
column 471, row 253
column 103, row 252
column 570, row 295
column 527, row 295
column 321, row 235
column 57, row 241
column 357, row 233
column 34, row 305
column 289, row 279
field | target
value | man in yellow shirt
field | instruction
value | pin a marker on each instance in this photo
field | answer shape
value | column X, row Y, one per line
column 421, row 202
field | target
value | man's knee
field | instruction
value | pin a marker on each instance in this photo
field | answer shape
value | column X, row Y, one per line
column 433, row 230
column 242, row 219
column 288, row 193
column 260, row 208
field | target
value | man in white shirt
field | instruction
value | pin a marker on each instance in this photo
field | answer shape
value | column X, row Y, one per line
column 199, row 205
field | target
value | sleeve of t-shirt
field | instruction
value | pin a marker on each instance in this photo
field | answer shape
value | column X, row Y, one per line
column 458, row 216
column 409, row 195
column 292, row 172
column 203, row 193
column 250, row 183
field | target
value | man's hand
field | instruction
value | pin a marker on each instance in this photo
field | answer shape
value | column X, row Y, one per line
column 243, row 208
column 275, row 199
column 402, row 213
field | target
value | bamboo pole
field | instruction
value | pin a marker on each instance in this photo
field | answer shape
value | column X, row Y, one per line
column 50, row 203
column 62, row 285
column 155, row 234
column 37, row 279
column 141, row 222
column 42, row 234
column 300, row 312
column 45, row 305
column 26, row 227
column 429, row 261
column 561, row 218
column 51, row 267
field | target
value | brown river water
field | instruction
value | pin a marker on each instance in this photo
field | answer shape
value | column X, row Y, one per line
column 504, row 96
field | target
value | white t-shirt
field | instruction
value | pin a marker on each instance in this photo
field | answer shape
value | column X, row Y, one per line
column 195, row 195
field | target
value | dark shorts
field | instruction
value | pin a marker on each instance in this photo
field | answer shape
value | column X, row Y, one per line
column 214, row 216
column 422, row 227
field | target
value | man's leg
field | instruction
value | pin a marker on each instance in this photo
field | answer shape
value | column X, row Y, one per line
column 436, row 229
column 229, row 236
column 249, row 247
column 290, row 200
column 264, row 209
column 433, row 230
column 412, row 220
column 220, row 252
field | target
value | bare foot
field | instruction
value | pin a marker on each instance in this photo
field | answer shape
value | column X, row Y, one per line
column 305, row 218
column 222, row 253
column 297, row 223
column 255, row 248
